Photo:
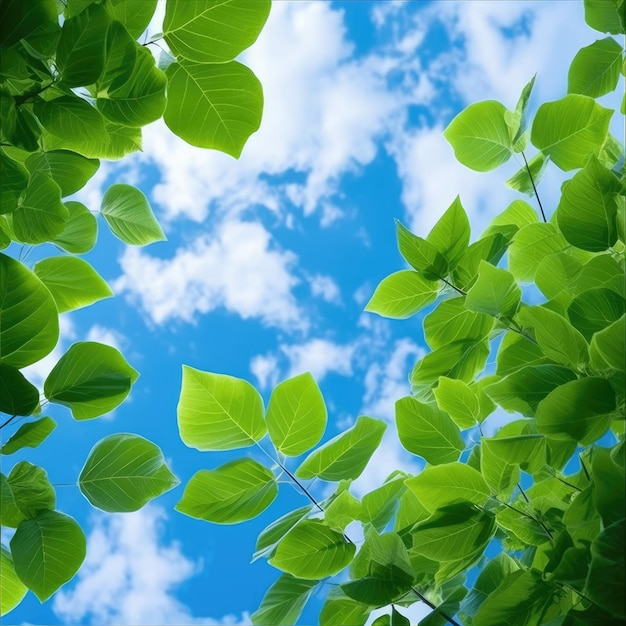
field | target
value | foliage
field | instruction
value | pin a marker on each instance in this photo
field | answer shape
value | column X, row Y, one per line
column 517, row 410
column 77, row 86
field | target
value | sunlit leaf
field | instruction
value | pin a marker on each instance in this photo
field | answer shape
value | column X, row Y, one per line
column 339, row 610
column 29, row 322
column 47, row 552
column 607, row 346
column 91, row 379
column 421, row 254
column 346, row 455
column 593, row 310
column 29, row 435
column 70, row 171
column 490, row 248
column 234, row 492
column 495, row 292
column 458, row 400
column 595, row 69
column 530, row 246
column 284, row 601
column 603, row 15
column 123, row 472
column 296, row 415
column 134, row 15
column 12, row 589
column 451, row 234
column 312, row 551
column 80, row 230
column 218, row 412
column 128, row 214
column 523, row 180
column 451, row 322
column 270, row 536
column 32, row 491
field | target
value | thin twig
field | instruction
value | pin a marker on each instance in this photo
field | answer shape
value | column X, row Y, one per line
column 532, row 180
column 434, row 607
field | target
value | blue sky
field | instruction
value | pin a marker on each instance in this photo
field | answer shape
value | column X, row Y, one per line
column 270, row 260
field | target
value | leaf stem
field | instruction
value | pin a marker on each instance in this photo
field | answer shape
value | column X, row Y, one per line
column 434, row 607
column 7, row 422
column 523, row 493
column 532, row 181
column 447, row 282
column 545, row 529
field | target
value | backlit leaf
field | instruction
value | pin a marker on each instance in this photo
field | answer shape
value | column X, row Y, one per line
column 72, row 119
column 458, row 400
column 594, row 310
column 607, row 346
column 32, row 491
column 495, row 292
column 270, row 536
column 522, row 180
column 284, row 601
column 422, row 255
column 603, row 15
column 29, row 435
column 451, row 234
column 530, row 246
column 80, row 230
column 595, row 69
column 451, row 322
column 12, row 588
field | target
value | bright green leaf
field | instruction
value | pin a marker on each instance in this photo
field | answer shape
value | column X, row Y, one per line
column 12, row 589
column 531, row 244
column 218, row 412
column 480, row 136
column 595, row 69
column 501, row 475
column 603, row 15
column 29, row 435
column 29, row 322
column 421, row 254
column 451, row 234
column 570, row 129
column 213, row 31
column 378, row 506
column 284, row 601
column 402, row 294
column 458, row 400
column 214, row 106
column 91, row 379
column 557, row 277
column 47, row 552
column 270, row 536
column 346, row 455
column 517, row 120
column 495, row 292
column 580, row 409
column 234, row 492
column 73, row 283
column 32, row 491
column 134, row 15
column 17, row 395
column 607, row 346
column 80, row 230
column 428, row 432
column 522, row 180
column 123, row 472
column 517, row 214
column 296, row 415
column 312, row 551
column 516, row 352
column 527, row 451
column 339, row 610
column 490, row 248
column 594, row 310
column 451, row 322
column 127, row 212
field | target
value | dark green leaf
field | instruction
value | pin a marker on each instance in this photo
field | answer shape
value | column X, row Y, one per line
column 17, row 395
column 608, row 487
column 91, row 379
column 14, row 177
column 70, row 171
column 594, row 310
column 603, row 15
column 32, row 491
column 47, row 552
column 607, row 346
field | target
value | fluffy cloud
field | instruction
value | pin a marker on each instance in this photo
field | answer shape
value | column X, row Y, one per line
column 326, row 288
column 108, row 336
column 235, row 268
column 129, row 576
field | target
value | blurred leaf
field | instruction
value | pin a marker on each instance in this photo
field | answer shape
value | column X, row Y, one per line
column 218, row 412
column 603, row 15
column 91, row 379
column 296, row 415
column 123, row 472
column 234, row 492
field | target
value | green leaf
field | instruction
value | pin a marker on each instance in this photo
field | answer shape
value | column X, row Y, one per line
column 218, row 412
column 21, row 21
column 421, row 254
column 213, row 31
column 382, row 569
column 495, row 292
column 73, row 283
column 459, row 401
column 123, row 472
column 490, row 248
column 522, row 390
column 12, row 588
column 378, row 506
column 80, row 230
column 531, row 244
column 607, row 346
column 80, row 52
column 29, row 435
column 480, row 136
column 342, row 510
column 451, row 322
column 520, row 600
column 312, row 551
column 556, row 337
column 594, row 310
column 428, row 432
column 346, row 455
column 451, row 234
column 570, row 129
column 605, row 582
column 516, row 352
column 517, row 121
column 232, row 493
column 10, row 514
column 70, row 171
column 603, row 15
column 140, row 99
column 134, row 15
column 522, row 181
column 91, row 379
column 527, row 451
column 296, row 415
column 609, row 498
column 14, row 178
column 284, row 601
column 128, row 214
column 339, row 610
column 402, row 294
column 580, row 409
column 453, row 531
column 587, row 211
column 518, row 214
column 270, row 536
column 501, row 475
column 47, row 552
column 442, row 485
column 459, row 359
column 32, row 491
column 40, row 215
column 557, row 277
column 17, row 395
column 213, row 106
column 72, row 119
column 601, row 270
column 595, row 69
column 29, row 321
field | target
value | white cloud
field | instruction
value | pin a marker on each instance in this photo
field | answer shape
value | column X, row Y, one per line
column 320, row 357
column 108, row 336
column 129, row 576
column 326, row 288
column 235, row 268
column 265, row 368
